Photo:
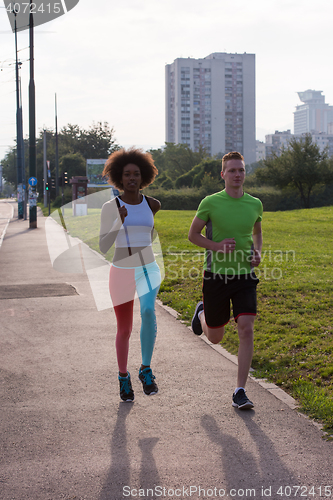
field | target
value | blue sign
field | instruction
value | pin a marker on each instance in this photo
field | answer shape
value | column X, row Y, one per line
column 32, row 181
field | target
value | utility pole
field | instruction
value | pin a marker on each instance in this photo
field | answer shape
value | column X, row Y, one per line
column 32, row 129
column 19, row 133
column 44, row 169
column 56, row 149
column 24, row 180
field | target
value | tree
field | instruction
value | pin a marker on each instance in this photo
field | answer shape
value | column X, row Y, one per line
column 74, row 164
column 177, row 159
column 75, row 145
column 9, row 171
column 196, row 175
column 95, row 143
column 301, row 167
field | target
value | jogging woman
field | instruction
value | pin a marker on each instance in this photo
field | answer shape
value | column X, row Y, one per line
column 128, row 221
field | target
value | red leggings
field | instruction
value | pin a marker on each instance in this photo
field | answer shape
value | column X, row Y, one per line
column 123, row 284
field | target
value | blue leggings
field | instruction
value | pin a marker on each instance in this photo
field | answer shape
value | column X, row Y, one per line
column 123, row 284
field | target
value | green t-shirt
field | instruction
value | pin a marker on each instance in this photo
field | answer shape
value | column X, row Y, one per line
column 228, row 217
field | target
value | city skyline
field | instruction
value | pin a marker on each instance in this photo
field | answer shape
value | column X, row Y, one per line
column 108, row 64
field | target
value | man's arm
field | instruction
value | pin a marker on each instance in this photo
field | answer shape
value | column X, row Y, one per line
column 257, row 242
column 225, row 246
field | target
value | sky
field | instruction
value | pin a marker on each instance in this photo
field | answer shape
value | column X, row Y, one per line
column 105, row 60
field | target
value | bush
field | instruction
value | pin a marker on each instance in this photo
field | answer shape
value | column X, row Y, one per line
column 59, row 201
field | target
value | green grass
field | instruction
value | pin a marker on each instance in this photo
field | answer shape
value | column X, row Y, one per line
column 294, row 327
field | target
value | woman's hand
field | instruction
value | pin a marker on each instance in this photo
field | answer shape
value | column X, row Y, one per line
column 123, row 213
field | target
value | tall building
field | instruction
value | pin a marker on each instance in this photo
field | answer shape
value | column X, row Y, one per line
column 275, row 142
column 210, row 102
column 314, row 115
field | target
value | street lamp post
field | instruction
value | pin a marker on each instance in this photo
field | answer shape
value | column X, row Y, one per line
column 19, row 133
column 32, row 128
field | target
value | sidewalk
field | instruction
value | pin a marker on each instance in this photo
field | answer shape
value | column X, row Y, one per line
column 66, row 435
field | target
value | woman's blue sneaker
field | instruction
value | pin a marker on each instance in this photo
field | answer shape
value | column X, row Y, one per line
column 125, row 386
column 148, row 381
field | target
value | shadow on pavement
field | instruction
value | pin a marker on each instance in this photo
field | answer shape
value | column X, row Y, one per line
column 119, row 474
column 260, row 474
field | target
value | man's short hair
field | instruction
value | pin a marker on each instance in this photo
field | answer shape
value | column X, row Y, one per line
column 233, row 155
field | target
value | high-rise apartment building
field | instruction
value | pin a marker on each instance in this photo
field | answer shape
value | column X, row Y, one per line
column 314, row 115
column 210, row 102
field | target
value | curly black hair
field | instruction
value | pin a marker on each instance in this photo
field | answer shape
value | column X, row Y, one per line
column 113, row 168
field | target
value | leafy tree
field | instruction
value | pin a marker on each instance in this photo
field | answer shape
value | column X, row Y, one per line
column 167, row 184
column 195, row 176
column 186, row 180
column 177, row 159
column 74, row 164
column 75, row 145
column 301, row 167
column 162, row 181
column 209, row 185
column 95, row 143
column 9, row 172
column 208, row 167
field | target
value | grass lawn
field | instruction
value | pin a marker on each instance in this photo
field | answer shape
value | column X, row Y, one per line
column 294, row 327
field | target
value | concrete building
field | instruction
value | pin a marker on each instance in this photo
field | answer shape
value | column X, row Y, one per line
column 260, row 151
column 275, row 142
column 210, row 102
column 314, row 115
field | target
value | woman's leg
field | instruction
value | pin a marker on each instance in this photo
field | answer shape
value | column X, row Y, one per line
column 124, row 315
column 148, row 326
column 147, row 283
column 122, row 289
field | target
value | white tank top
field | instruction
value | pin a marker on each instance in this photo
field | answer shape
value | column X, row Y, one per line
column 137, row 227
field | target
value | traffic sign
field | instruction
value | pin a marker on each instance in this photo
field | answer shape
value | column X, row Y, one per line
column 32, row 181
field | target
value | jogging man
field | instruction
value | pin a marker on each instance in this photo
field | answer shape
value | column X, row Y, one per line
column 233, row 244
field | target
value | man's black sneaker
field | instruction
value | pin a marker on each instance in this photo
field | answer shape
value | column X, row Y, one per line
column 241, row 401
column 125, row 386
column 148, row 381
column 196, row 325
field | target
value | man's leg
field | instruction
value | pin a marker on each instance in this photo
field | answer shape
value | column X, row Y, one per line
column 214, row 335
column 245, row 324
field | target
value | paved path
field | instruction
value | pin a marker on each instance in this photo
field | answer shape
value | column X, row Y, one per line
column 66, row 435
column 6, row 213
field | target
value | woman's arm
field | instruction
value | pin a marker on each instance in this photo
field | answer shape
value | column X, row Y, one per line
column 154, row 204
column 110, row 225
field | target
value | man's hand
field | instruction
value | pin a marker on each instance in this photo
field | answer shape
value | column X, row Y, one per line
column 256, row 258
column 226, row 246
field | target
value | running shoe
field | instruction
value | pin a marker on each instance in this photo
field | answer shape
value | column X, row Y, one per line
column 125, row 387
column 196, row 325
column 241, row 401
column 148, row 381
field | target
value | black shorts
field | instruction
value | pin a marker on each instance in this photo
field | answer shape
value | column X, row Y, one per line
column 218, row 290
